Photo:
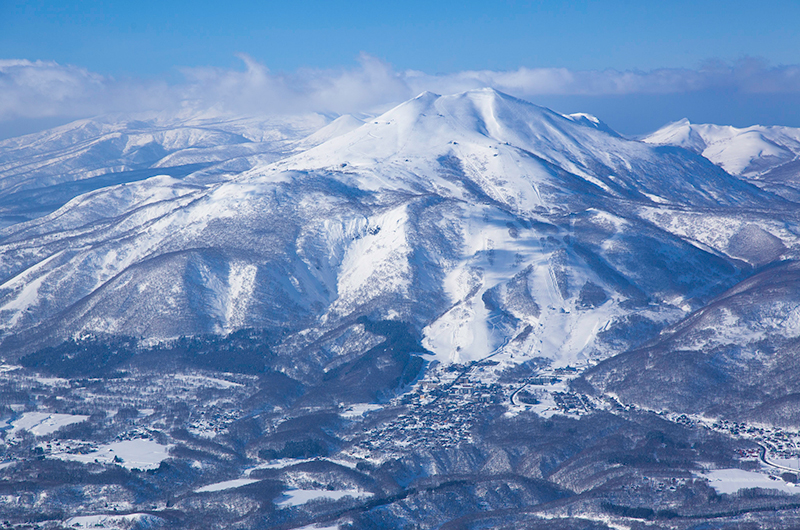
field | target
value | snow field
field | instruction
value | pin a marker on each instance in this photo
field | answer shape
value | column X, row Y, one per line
column 732, row 480
column 226, row 485
column 108, row 521
column 130, row 454
column 43, row 423
column 297, row 497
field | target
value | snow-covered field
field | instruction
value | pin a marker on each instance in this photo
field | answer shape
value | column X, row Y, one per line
column 42, row 423
column 733, row 480
column 109, row 521
column 131, row 454
column 226, row 485
column 297, row 497
column 360, row 409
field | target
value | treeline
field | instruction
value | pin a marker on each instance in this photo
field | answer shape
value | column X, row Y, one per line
column 246, row 351
column 392, row 364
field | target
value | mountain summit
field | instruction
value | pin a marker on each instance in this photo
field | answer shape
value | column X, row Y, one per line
column 513, row 150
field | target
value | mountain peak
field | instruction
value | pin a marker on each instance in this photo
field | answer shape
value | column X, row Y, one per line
column 592, row 121
column 750, row 151
column 680, row 133
column 429, row 125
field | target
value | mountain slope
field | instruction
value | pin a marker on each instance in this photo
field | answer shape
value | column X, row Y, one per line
column 735, row 358
column 493, row 226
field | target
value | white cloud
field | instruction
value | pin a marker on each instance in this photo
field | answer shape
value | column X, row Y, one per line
column 42, row 89
column 256, row 89
column 747, row 75
column 45, row 89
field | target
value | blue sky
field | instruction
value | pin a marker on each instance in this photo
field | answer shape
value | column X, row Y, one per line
column 148, row 45
column 149, row 38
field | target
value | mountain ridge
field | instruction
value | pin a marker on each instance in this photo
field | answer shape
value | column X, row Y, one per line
column 475, row 216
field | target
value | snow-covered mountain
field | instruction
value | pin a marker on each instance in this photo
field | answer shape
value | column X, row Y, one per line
column 41, row 172
column 748, row 152
column 768, row 156
column 718, row 360
column 493, row 226
column 254, row 302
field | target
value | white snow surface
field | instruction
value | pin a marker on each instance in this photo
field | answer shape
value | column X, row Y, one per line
column 358, row 410
column 318, row 527
column 43, row 423
column 203, row 381
column 113, row 144
column 226, row 485
column 297, row 497
column 732, row 480
column 109, row 521
column 134, row 454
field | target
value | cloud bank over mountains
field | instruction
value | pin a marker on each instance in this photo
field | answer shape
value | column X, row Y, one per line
column 31, row 90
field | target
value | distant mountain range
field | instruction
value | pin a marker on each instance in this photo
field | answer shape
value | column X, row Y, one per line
column 767, row 156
